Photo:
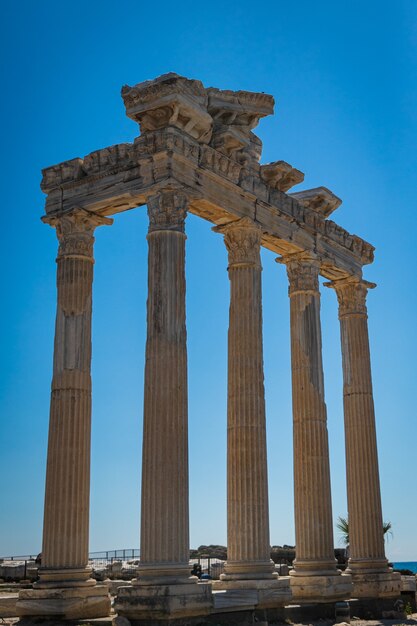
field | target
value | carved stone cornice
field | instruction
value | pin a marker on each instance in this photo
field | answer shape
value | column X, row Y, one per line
column 170, row 100
column 303, row 270
column 351, row 295
column 167, row 210
column 123, row 176
column 75, row 232
column 319, row 199
column 238, row 108
column 281, row 175
column 235, row 114
column 243, row 242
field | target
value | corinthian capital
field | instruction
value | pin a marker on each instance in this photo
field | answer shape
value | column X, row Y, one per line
column 167, row 211
column 303, row 272
column 243, row 242
column 351, row 294
column 75, row 231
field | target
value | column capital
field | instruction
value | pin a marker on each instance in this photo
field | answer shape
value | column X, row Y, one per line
column 167, row 210
column 75, row 231
column 243, row 242
column 351, row 294
column 303, row 270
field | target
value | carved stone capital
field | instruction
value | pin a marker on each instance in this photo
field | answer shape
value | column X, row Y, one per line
column 243, row 242
column 351, row 294
column 303, row 270
column 75, row 231
column 167, row 211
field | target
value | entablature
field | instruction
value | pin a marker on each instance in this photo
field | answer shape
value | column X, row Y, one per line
column 219, row 171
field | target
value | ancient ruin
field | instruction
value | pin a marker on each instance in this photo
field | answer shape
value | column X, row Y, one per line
column 197, row 153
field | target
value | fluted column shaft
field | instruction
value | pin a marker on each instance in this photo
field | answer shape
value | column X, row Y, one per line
column 248, row 544
column 66, row 515
column 366, row 537
column 312, row 493
column 164, row 513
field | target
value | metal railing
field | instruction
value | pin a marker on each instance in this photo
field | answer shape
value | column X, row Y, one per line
column 121, row 563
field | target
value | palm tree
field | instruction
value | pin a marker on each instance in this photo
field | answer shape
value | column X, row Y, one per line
column 342, row 524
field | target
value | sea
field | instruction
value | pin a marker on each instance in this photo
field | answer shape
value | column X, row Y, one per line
column 411, row 565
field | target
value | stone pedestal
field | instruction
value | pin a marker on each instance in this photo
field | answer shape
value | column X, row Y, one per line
column 65, row 603
column 164, row 587
column 371, row 576
column 164, row 602
column 315, row 575
column 65, row 588
column 316, row 588
column 248, row 546
column 263, row 593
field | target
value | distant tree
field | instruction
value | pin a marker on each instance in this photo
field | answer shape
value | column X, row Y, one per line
column 342, row 525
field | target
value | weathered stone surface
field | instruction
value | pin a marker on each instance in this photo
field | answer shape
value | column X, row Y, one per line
column 408, row 583
column 319, row 199
column 247, row 594
column 225, row 180
column 64, row 603
column 197, row 152
column 170, row 100
column 66, row 518
column 248, row 545
column 66, row 514
column 8, row 604
column 281, row 175
column 314, row 566
column 164, row 511
column 261, row 594
column 164, row 601
column 376, row 585
column 313, row 510
column 233, row 599
column 366, row 536
column 320, row 588
column 235, row 114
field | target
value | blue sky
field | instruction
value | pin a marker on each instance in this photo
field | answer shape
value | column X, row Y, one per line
column 344, row 78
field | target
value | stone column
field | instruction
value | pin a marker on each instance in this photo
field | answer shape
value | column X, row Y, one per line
column 249, row 564
column 315, row 574
column 164, row 587
column 248, row 544
column 368, row 565
column 65, row 587
column 164, row 539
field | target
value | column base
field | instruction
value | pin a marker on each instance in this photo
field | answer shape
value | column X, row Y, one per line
column 88, row 601
column 162, row 602
column 261, row 593
column 249, row 570
column 64, row 577
column 164, row 574
column 375, row 585
column 320, row 588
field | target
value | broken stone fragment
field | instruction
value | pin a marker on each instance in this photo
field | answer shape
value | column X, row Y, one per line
column 238, row 108
column 170, row 100
column 281, row 175
column 235, row 114
column 319, row 199
column 61, row 173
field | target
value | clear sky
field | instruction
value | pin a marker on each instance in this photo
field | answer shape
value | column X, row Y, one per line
column 344, row 78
